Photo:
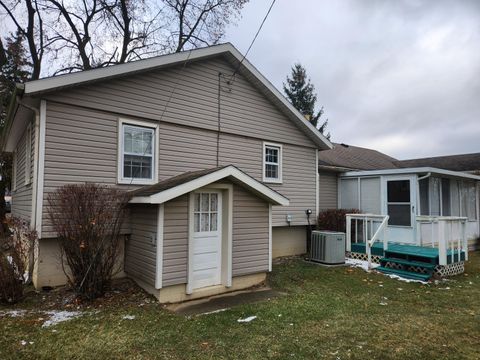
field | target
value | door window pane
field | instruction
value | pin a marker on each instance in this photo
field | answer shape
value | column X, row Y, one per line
column 204, row 222
column 213, row 202
column 196, row 219
column 398, row 191
column 213, row 222
column 399, row 215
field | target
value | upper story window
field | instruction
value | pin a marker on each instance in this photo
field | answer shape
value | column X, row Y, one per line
column 272, row 163
column 138, row 160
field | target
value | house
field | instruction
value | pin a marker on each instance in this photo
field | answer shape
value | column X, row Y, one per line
column 417, row 203
column 222, row 169
column 463, row 162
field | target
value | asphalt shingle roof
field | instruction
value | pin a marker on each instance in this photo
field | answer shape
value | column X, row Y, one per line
column 356, row 158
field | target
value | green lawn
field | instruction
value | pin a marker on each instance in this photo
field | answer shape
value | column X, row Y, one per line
column 336, row 313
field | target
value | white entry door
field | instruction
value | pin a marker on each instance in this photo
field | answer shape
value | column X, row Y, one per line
column 207, row 239
column 399, row 204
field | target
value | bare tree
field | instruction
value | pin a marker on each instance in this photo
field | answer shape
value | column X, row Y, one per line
column 31, row 28
column 199, row 22
column 87, row 34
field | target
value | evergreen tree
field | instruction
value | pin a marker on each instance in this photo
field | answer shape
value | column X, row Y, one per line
column 13, row 68
column 301, row 93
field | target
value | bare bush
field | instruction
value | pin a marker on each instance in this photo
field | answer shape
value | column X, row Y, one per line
column 16, row 259
column 334, row 219
column 87, row 219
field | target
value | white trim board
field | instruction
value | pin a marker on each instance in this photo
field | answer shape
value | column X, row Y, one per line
column 41, row 167
column 272, row 196
column 159, row 244
column 82, row 77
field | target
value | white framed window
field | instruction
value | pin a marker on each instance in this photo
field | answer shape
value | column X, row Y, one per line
column 138, row 152
column 272, row 163
column 28, row 155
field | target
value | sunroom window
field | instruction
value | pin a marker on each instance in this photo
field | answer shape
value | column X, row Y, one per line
column 138, row 149
column 272, row 163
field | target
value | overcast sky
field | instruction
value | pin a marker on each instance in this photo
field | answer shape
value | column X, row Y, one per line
column 402, row 77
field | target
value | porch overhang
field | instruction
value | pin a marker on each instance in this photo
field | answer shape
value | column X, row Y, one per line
column 405, row 171
column 182, row 184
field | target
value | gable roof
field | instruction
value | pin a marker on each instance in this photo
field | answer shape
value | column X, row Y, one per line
column 348, row 157
column 462, row 162
column 184, row 183
column 227, row 50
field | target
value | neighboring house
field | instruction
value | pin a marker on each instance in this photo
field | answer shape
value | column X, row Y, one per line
column 464, row 162
column 406, row 190
column 221, row 167
column 342, row 158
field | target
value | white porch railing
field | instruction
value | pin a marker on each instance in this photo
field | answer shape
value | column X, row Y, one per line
column 367, row 229
column 445, row 233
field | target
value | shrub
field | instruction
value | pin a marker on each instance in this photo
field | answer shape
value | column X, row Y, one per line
column 334, row 219
column 16, row 259
column 87, row 219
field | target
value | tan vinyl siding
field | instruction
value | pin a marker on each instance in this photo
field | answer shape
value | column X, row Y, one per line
column 81, row 145
column 81, row 138
column 22, row 196
column 175, row 241
column 299, row 185
column 244, row 111
column 328, row 190
column 250, row 233
column 298, row 168
column 249, row 242
column 140, row 251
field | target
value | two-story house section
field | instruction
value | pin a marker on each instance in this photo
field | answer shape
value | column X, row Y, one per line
column 221, row 168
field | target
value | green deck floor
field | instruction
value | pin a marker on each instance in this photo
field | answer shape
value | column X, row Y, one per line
column 409, row 250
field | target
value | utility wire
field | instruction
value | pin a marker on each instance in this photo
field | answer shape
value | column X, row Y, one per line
column 255, row 37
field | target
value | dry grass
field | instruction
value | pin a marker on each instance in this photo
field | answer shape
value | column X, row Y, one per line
column 328, row 314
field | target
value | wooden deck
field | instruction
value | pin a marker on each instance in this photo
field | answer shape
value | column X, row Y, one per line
column 426, row 254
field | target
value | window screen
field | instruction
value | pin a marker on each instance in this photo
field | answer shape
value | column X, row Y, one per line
column 398, row 202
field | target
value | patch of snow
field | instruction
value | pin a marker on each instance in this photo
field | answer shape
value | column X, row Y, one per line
column 247, row 319
column 13, row 313
column 214, row 311
column 60, row 316
column 396, row 277
column 128, row 317
column 360, row 264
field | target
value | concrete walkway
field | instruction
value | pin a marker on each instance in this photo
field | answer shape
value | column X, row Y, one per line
column 223, row 302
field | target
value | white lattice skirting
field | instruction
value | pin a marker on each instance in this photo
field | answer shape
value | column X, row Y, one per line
column 440, row 270
column 450, row 269
column 364, row 257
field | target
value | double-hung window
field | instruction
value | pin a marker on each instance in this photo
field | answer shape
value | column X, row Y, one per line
column 272, row 163
column 137, row 163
